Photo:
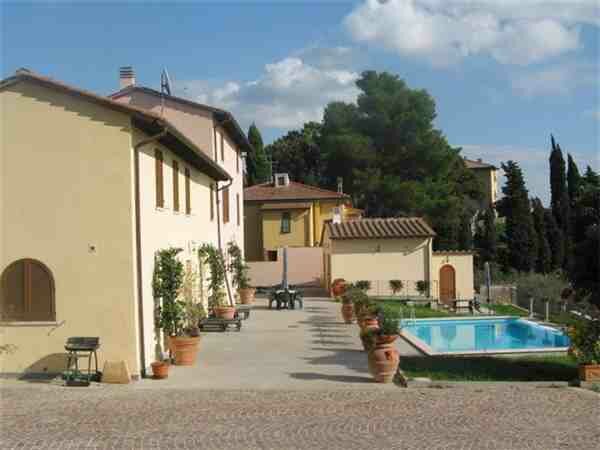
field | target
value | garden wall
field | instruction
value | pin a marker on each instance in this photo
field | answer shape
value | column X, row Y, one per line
column 305, row 267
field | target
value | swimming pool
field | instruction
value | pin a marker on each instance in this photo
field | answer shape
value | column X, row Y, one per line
column 483, row 335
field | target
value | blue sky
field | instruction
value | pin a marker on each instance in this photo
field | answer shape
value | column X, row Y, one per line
column 504, row 73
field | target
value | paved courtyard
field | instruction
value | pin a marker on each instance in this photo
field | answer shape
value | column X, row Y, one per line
column 294, row 380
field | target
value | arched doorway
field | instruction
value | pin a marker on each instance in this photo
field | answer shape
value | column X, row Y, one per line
column 447, row 284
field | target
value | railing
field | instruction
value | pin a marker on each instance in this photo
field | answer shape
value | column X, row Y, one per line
column 382, row 288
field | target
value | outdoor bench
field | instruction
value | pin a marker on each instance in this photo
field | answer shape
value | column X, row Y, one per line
column 216, row 324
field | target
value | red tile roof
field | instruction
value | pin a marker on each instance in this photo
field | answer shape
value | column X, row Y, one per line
column 479, row 164
column 293, row 191
column 288, row 205
column 404, row 227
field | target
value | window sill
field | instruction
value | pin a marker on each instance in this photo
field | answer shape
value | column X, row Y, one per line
column 29, row 324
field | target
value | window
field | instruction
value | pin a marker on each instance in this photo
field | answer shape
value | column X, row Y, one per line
column 212, row 202
column 27, row 290
column 175, row 186
column 271, row 255
column 286, row 222
column 226, row 205
column 160, row 190
column 237, row 204
column 222, row 147
column 188, row 199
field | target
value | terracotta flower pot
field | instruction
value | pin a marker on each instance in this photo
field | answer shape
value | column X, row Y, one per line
column 225, row 312
column 384, row 359
column 348, row 312
column 589, row 372
column 160, row 369
column 369, row 322
column 246, row 295
column 185, row 350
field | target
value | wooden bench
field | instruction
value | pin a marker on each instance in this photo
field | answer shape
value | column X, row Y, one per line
column 216, row 324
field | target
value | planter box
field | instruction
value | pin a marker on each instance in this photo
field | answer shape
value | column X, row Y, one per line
column 589, row 372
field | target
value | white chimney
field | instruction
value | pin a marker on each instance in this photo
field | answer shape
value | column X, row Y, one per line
column 282, row 180
column 126, row 77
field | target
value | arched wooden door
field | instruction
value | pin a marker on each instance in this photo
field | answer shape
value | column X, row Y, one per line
column 447, row 284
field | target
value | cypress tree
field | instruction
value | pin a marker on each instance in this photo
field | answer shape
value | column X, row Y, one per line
column 560, row 201
column 521, row 238
column 465, row 233
column 573, row 179
column 486, row 238
column 554, row 236
column 543, row 262
column 257, row 164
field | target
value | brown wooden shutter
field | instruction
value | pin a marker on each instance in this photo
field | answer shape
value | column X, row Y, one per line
column 237, row 203
column 216, row 141
column 188, row 199
column 212, row 201
column 160, row 193
column 175, row 186
column 28, row 292
column 222, row 147
column 226, row 205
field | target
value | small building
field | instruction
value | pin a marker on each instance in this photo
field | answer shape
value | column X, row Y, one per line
column 286, row 213
column 487, row 176
column 90, row 189
column 381, row 250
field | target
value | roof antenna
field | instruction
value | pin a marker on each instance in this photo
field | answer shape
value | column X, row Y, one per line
column 165, row 88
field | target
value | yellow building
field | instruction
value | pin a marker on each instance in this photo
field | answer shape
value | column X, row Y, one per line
column 382, row 250
column 487, row 176
column 287, row 213
column 90, row 188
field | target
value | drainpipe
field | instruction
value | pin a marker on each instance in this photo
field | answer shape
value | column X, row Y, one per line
column 219, row 241
column 138, row 243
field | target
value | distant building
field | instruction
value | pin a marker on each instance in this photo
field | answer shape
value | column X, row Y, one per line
column 486, row 174
column 286, row 213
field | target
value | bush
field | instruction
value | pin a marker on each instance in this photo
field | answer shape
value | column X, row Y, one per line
column 363, row 285
column 212, row 256
column 396, row 286
column 389, row 321
column 585, row 341
column 237, row 266
column 422, row 286
column 361, row 301
column 167, row 281
column 540, row 287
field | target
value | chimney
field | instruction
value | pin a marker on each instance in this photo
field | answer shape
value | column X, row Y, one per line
column 126, row 77
column 340, row 185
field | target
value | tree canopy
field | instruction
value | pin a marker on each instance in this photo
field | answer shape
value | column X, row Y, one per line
column 258, row 169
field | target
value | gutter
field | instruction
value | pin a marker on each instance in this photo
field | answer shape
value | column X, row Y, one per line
column 138, row 243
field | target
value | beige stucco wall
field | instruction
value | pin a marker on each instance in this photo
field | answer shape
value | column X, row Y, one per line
column 305, row 267
column 379, row 261
column 272, row 236
column 163, row 227
column 253, row 232
column 463, row 266
column 488, row 180
column 66, row 184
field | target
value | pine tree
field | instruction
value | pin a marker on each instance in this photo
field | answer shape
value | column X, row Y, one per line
column 591, row 178
column 543, row 262
column 554, row 236
column 521, row 238
column 573, row 179
column 257, row 164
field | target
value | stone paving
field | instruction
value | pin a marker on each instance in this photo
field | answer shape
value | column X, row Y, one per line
column 312, row 393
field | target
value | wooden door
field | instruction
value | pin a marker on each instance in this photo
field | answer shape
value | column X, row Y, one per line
column 447, row 284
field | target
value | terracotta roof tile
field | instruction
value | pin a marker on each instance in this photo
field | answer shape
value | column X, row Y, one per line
column 404, row 227
column 293, row 191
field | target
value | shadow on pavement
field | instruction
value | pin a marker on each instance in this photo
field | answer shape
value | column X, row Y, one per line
column 337, row 378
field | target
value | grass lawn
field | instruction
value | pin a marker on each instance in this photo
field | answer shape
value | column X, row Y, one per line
column 489, row 368
column 506, row 310
column 421, row 312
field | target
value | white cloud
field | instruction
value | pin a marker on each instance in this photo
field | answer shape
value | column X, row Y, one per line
column 533, row 161
column 443, row 32
column 560, row 79
column 289, row 93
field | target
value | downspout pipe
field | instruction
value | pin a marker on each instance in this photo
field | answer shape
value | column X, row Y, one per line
column 219, row 239
column 138, row 243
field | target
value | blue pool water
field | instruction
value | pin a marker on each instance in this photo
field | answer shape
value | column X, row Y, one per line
column 475, row 335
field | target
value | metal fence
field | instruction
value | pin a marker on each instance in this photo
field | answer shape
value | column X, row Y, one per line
column 382, row 288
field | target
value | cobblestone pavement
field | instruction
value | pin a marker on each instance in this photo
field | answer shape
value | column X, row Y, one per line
column 463, row 416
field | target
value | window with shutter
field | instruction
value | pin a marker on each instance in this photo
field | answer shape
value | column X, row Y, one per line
column 175, row 186
column 160, row 192
column 226, row 205
column 286, row 222
column 27, row 292
column 212, row 202
column 237, row 204
column 188, row 199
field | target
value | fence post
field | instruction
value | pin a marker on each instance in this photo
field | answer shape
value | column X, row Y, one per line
column 530, row 307
column 547, row 310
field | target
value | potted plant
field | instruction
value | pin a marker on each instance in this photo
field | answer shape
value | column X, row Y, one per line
column 364, row 308
column 383, row 357
column 585, row 348
column 363, row 285
column 422, row 287
column 396, row 286
column 347, row 307
column 239, row 270
column 338, row 287
column 167, row 286
column 160, row 369
column 217, row 299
